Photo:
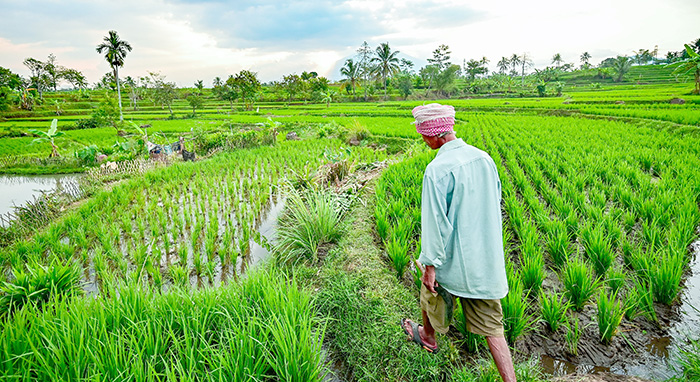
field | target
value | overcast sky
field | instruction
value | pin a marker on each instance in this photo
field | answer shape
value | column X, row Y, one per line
column 187, row 40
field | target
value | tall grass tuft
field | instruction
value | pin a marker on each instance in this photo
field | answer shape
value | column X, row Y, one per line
column 532, row 267
column 397, row 251
column 579, row 283
column 553, row 309
column 312, row 218
column 37, row 283
column 610, row 313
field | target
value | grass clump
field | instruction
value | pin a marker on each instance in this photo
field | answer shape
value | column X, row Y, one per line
column 312, row 218
column 610, row 313
column 37, row 284
column 264, row 327
column 579, row 283
column 553, row 309
column 516, row 321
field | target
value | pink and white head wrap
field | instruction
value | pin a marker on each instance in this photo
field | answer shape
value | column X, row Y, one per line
column 434, row 119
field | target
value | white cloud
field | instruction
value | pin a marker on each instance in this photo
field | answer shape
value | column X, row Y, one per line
column 190, row 40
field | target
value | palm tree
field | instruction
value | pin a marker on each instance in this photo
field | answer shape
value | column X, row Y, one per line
column 351, row 71
column 585, row 58
column 503, row 65
column 621, row 66
column 115, row 51
column 690, row 64
column 386, row 62
column 557, row 60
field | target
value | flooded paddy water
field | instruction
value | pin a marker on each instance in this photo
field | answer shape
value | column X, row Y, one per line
column 16, row 190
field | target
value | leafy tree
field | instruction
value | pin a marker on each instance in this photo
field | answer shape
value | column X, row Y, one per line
column 53, row 71
column 585, row 60
column 351, row 72
column 364, row 62
column 195, row 100
column 164, row 93
column 386, row 62
column 525, row 62
column 444, row 81
column 428, row 74
column 405, row 84
column 406, row 66
column 48, row 136
column 690, row 65
column 226, row 91
column 621, row 66
column 475, row 68
column 642, row 56
column 292, row 84
column 441, row 57
column 75, row 78
column 38, row 76
column 107, row 112
column 515, row 63
column 9, row 82
column 248, row 87
column 115, row 51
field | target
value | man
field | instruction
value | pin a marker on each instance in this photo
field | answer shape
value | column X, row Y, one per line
column 461, row 239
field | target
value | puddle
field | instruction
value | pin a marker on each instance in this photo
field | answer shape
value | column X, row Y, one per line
column 16, row 190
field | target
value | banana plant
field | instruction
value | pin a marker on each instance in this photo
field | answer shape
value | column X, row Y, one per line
column 48, row 136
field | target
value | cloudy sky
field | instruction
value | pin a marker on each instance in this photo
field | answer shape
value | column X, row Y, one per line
column 187, row 40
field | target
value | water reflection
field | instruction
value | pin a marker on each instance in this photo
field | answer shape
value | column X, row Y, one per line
column 16, row 190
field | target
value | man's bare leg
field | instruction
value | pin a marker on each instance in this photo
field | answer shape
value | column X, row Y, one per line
column 427, row 332
column 501, row 355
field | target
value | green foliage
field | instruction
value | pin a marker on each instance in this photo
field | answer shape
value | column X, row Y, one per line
column 579, row 283
column 37, row 284
column 312, row 220
column 553, row 309
column 516, row 321
column 87, row 156
column 610, row 313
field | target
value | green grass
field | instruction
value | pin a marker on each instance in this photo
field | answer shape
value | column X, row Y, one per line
column 579, row 283
column 610, row 314
column 142, row 335
column 553, row 309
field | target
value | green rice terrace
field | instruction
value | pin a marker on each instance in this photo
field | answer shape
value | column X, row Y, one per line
column 283, row 247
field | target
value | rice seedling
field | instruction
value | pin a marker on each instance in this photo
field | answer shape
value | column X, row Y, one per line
column 153, row 271
column 629, row 220
column 532, row 271
column 553, row 309
column 197, row 262
column 516, row 321
column 641, row 300
column 397, row 251
column 211, row 270
column 665, row 276
column 557, row 243
column 610, row 313
column 36, row 284
column 579, row 283
column 597, row 248
column 690, row 361
column 616, row 278
column 572, row 336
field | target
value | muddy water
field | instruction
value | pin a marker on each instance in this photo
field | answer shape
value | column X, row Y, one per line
column 657, row 358
column 16, row 190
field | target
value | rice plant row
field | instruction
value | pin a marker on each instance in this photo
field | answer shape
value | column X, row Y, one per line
column 190, row 223
column 593, row 204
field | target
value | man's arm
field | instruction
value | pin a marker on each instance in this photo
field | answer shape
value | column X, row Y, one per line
column 435, row 227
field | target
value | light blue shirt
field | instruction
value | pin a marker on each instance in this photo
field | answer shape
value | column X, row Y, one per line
column 461, row 222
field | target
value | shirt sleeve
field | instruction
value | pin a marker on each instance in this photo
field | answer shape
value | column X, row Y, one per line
column 435, row 226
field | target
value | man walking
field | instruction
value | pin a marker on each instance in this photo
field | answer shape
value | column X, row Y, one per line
column 461, row 239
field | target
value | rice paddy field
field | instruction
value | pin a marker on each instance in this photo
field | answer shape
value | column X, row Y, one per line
column 171, row 274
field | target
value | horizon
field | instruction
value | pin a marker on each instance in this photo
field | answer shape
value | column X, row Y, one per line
column 189, row 40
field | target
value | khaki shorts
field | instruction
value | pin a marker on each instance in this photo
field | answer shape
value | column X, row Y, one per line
column 483, row 317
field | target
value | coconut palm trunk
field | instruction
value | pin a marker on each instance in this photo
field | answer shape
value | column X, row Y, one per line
column 119, row 93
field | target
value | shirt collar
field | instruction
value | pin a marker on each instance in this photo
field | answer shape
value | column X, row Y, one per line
column 451, row 145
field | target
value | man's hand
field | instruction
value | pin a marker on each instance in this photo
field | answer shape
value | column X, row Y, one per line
column 428, row 278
